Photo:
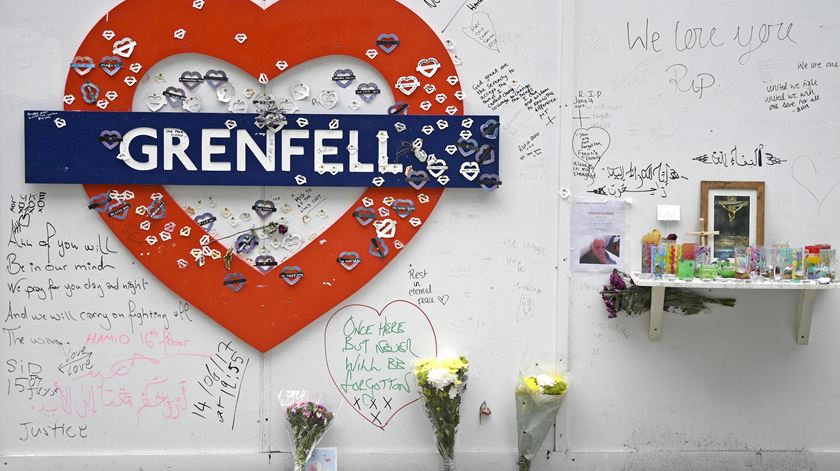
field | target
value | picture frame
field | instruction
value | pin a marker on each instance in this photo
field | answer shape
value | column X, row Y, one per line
column 736, row 211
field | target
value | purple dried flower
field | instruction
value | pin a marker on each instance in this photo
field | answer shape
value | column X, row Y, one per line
column 611, row 308
column 617, row 281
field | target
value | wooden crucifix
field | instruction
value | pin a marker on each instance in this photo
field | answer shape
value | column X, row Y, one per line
column 703, row 233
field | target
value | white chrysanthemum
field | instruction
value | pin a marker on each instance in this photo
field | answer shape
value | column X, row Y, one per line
column 441, row 377
column 453, row 393
column 545, row 381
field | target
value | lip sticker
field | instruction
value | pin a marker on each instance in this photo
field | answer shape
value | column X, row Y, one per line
column 428, row 67
column 108, row 34
column 124, row 47
column 292, row 242
column 82, row 65
column 425, row 105
column 440, row 98
column 429, row 88
column 470, row 170
column 343, row 77
column 111, row 65
column 486, row 155
column 489, row 181
column 364, row 215
column 490, row 129
column 378, row 248
column 371, row 53
column 387, row 42
column 291, row 275
column 367, row 91
column 214, row 78
column 130, row 80
column 240, row 37
column 349, row 260
column 407, row 84
column 235, row 281
column 99, row 202
column 452, row 80
column 399, row 107
column 281, row 65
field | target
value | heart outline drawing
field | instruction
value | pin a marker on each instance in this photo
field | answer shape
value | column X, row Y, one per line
column 379, row 313
column 584, row 146
column 798, row 179
column 359, row 24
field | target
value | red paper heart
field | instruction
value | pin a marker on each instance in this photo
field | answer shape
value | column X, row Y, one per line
column 267, row 310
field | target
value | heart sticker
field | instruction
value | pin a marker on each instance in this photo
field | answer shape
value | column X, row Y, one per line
column 124, row 47
column 403, row 207
column 214, row 78
column 154, row 101
column 490, row 129
column 299, row 91
column 110, row 139
column 407, row 84
column 428, row 67
column 387, row 42
column 343, row 77
column 367, row 91
column 467, row 147
column 191, row 80
column 470, row 170
column 111, row 65
column 265, row 263
column 147, row 39
column 174, row 96
column 328, row 99
column 264, row 208
column 370, row 357
column 486, row 154
column 82, row 65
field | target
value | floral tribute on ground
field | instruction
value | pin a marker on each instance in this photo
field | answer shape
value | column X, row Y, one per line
column 621, row 294
column 539, row 394
column 308, row 419
column 442, row 382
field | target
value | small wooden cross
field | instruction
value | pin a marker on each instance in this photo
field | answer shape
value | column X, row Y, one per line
column 703, row 233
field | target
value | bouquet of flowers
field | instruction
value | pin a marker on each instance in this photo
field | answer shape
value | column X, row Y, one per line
column 308, row 419
column 621, row 294
column 539, row 394
column 442, row 382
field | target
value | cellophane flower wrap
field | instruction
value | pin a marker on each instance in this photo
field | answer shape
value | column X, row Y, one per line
column 308, row 417
column 539, row 394
column 442, row 383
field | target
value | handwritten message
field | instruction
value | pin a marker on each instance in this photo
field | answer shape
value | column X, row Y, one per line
column 370, row 356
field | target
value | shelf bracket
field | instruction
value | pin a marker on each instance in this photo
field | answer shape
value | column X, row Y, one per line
column 657, row 304
column 804, row 309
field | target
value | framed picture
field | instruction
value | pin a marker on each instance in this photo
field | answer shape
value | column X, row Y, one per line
column 736, row 211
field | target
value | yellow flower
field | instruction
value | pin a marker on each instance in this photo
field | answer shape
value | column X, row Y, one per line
column 531, row 382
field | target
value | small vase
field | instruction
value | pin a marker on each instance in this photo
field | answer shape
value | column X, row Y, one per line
column 448, row 464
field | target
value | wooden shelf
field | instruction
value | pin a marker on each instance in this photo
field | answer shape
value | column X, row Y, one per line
column 804, row 307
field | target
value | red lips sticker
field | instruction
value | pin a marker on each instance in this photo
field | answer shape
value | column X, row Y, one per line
column 268, row 309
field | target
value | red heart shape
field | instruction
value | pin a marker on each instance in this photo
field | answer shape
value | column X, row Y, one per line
column 267, row 310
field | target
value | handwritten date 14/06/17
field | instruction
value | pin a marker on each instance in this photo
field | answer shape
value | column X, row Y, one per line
column 223, row 383
column 686, row 81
